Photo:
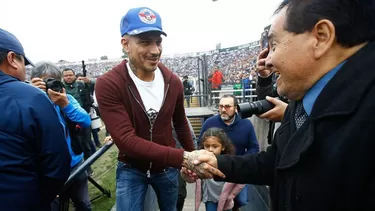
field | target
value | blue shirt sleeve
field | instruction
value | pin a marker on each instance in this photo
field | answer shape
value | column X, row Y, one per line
column 76, row 113
column 253, row 146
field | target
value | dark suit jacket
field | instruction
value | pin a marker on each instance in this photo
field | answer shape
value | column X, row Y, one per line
column 329, row 163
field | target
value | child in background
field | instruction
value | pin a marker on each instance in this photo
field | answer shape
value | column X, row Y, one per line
column 216, row 195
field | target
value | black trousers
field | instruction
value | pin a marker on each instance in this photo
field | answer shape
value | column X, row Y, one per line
column 78, row 192
column 86, row 142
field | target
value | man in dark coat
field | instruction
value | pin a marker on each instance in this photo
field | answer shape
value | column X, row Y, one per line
column 322, row 157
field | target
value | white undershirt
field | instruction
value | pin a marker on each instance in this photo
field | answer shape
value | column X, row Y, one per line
column 152, row 93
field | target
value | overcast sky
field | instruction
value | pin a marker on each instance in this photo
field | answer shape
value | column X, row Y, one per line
column 77, row 30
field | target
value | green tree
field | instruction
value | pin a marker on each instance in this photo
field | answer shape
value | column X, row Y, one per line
column 104, row 58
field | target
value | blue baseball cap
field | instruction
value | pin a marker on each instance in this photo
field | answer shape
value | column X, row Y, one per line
column 140, row 20
column 9, row 42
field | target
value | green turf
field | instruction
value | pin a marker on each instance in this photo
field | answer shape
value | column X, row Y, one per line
column 105, row 174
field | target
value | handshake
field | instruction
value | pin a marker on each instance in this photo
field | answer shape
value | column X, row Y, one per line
column 200, row 164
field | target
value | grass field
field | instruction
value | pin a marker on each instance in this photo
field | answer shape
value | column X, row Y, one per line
column 104, row 174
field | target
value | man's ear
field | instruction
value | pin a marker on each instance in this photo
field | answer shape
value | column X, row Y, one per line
column 11, row 56
column 325, row 35
column 125, row 43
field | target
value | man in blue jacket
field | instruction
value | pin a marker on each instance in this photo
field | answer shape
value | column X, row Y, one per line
column 70, row 114
column 33, row 152
column 240, row 131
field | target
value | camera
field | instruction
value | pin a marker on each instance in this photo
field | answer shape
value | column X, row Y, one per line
column 246, row 110
column 53, row 84
column 264, row 37
column 264, row 40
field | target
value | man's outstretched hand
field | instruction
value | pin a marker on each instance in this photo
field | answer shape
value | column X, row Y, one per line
column 202, row 163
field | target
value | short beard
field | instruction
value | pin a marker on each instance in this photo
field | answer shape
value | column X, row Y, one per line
column 226, row 118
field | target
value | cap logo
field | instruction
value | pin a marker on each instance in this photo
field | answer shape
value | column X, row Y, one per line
column 147, row 16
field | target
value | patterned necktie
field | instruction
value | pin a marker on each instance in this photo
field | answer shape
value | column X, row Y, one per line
column 300, row 115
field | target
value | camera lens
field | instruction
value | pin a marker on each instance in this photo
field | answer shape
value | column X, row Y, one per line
column 246, row 110
column 54, row 84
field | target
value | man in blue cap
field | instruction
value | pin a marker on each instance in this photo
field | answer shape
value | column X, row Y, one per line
column 35, row 161
column 12, row 49
column 138, row 99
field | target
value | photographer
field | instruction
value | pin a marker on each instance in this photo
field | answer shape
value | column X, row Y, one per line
column 188, row 89
column 46, row 76
column 80, row 88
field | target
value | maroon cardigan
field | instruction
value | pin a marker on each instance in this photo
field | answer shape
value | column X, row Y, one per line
column 122, row 111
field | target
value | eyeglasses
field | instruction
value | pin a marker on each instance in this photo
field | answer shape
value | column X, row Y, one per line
column 225, row 106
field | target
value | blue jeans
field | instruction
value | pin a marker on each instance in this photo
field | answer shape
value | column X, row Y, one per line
column 132, row 185
column 211, row 206
column 187, row 100
column 243, row 197
column 150, row 200
column 258, row 198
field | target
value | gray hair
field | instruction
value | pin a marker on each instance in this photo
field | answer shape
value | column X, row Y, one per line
column 46, row 69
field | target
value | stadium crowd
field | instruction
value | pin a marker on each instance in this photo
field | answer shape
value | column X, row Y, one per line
column 235, row 63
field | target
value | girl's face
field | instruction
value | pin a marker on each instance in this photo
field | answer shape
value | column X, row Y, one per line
column 212, row 144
